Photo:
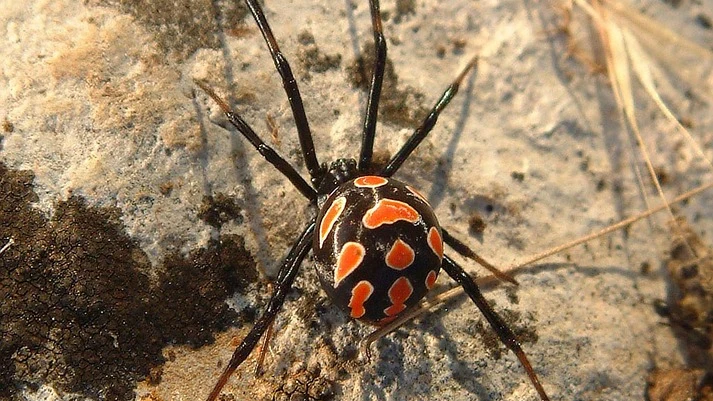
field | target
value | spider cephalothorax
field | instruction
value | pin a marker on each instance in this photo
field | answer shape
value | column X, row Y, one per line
column 339, row 172
column 376, row 241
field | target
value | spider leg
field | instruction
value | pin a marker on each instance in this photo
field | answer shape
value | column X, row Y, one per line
column 496, row 322
column 464, row 250
column 377, row 77
column 427, row 125
column 293, row 93
column 265, row 150
column 283, row 283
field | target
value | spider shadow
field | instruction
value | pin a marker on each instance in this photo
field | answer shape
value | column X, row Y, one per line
column 445, row 163
column 610, row 128
column 444, row 168
column 391, row 370
column 238, row 147
column 353, row 34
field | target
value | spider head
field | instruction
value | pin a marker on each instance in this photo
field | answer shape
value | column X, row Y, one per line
column 339, row 172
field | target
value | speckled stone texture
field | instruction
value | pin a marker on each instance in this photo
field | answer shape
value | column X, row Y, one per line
column 117, row 168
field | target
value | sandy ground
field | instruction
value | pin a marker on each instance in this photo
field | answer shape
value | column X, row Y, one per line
column 102, row 105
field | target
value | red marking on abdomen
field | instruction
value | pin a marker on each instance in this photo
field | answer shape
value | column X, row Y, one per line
column 431, row 279
column 350, row 257
column 400, row 256
column 330, row 217
column 360, row 293
column 370, row 181
column 435, row 241
column 389, row 211
column 399, row 292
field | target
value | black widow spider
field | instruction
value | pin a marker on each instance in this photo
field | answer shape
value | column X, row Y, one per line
column 376, row 242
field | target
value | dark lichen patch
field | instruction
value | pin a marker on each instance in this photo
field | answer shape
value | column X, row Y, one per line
column 678, row 384
column 194, row 289
column 662, row 175
column 78, row 311
column 601, row 184
column 7, row 126
column 313, row 59
column 476, row 224
column 166, row 188
column 219, row 209
column 511, row 293
column 517, row 176
column 307, row 385
column 490, row 339
column 404, row 7
column 704, row 21
column 401, row 107
column 183, row 26
column 690, row 309
column 307, row 307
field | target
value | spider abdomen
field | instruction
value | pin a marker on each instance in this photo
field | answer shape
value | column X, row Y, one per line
column 378, row 248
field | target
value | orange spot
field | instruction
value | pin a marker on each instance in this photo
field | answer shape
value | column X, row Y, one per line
column 370, row 181
column 400, row 256
column 330, row 217
column 431, row 279
column 417, row 194
column 350, row 257
column 360, row 293
column 389, row 211
column 435, row 241
column 399, row 292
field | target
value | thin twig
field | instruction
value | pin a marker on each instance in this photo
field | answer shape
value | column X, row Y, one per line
column 9, row 242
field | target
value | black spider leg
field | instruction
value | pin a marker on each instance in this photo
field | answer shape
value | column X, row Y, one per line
column 427, row 125
column 377, row 77
column 464, row 250
column 316, row 171
column 496, row 322
column 283, row 283
column 265, row 150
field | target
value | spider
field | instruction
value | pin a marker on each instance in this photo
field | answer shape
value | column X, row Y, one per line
column 376, row 242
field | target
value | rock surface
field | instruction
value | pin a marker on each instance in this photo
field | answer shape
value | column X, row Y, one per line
column 99, row 103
